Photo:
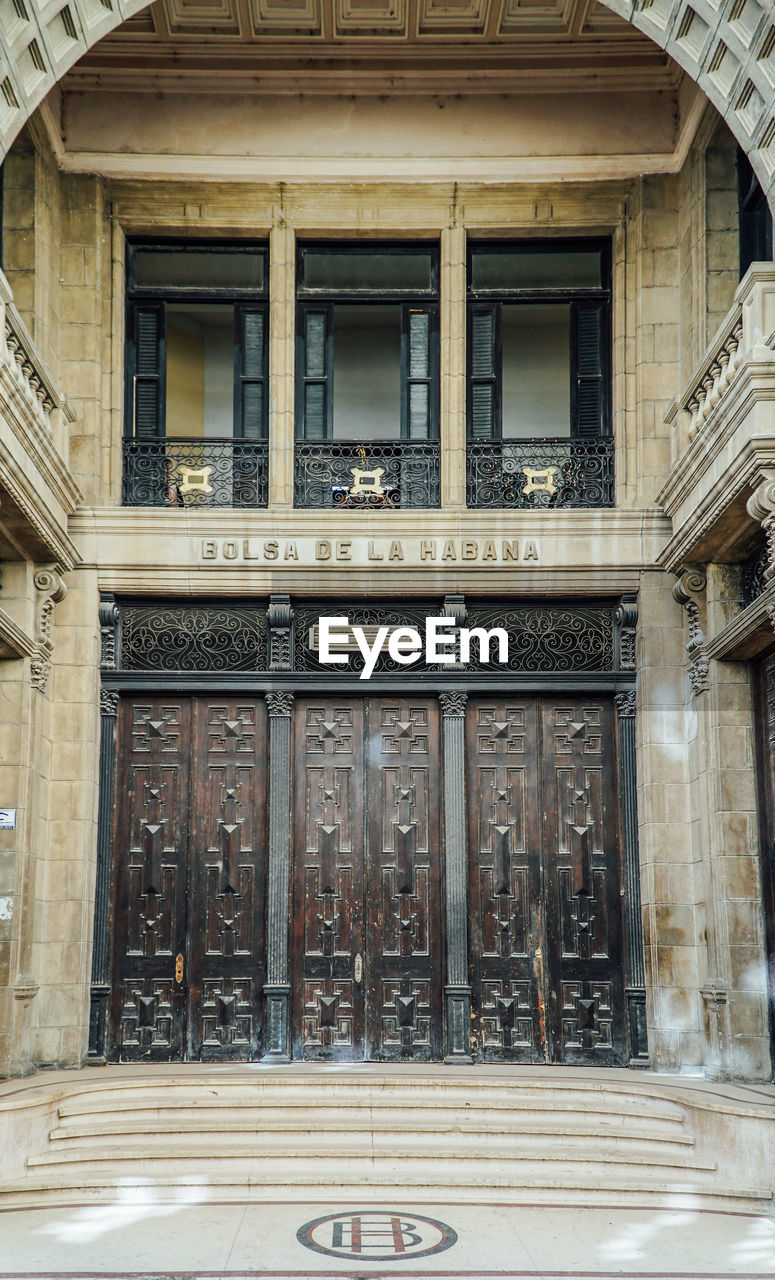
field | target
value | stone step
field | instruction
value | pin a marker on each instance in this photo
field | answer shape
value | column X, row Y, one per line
column 162, row 1127
column 458, row 1163
column 52, row 1189
column 367, row 1099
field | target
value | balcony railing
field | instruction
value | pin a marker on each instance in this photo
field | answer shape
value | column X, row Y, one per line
column 526, row 474
column 197, row 472
column 374, row 474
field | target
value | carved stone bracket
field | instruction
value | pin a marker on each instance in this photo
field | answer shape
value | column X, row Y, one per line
column 761, row 507
column 280, row 618
column 626, row 619
column 110, row 615
column 52, row 591
column 691, row 583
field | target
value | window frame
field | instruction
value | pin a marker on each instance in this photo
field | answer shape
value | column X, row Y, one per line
column 146, row 298
column 311, row 300
column 587, row 298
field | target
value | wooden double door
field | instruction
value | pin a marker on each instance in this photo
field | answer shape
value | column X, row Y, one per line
column 366, row 916
column 545, row 909
column 368, row 951
column 188, row 884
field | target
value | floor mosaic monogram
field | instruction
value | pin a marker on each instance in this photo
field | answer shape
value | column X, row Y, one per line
column 376, row 1235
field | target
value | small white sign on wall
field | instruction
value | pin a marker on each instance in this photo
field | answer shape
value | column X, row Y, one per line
column 7, row 819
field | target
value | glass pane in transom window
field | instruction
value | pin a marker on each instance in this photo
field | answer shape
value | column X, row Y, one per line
column 367, row 372
column 200, row 369
column 407, row 271
column 575, row 269
column 198, row 269
column 536, row 370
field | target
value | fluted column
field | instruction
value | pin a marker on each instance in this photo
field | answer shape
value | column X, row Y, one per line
column 100, row 964
column 633, row 919
column 277, row 986
column 457, row 991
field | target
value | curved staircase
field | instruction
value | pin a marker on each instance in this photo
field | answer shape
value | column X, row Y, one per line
column 445, row 1134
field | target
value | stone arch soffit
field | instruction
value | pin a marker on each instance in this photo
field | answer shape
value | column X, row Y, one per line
column 726, row 47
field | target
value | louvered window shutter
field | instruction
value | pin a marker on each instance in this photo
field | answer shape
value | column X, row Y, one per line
column 482, row 410
column 315, row 371
column 418, row 398
column 148, row 389
column 250, row 411
column 589, row 399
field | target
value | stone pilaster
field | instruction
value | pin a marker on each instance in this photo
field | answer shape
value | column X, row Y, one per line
column 277, row 986
column 282, row 310
column 633, row 919
column 100, row 966
column 453, row 367
column 457, row 990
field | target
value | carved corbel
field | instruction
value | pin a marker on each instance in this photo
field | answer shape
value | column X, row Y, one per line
column 691, row 583
column 280, row 618
column 52, row 591
column 761, row 507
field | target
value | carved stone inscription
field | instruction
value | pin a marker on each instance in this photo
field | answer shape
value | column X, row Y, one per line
column 366, row 880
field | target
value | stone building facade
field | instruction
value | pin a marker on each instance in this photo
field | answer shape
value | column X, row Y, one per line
column 544, row 216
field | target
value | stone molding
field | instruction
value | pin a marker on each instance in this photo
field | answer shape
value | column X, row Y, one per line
column 691, row 583
column 52, row 591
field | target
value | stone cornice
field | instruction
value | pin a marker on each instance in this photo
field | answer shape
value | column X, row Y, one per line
column 14, row 641
column 747, row 634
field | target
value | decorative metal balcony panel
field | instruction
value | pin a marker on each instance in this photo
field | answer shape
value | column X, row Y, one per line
column 380, row 473
column 526, row 474
column 193, row 638
column 196, row 472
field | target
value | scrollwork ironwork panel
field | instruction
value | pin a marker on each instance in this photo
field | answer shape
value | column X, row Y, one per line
column 197, row 472
column 754, row 569
column 201, row 638
column 306, row 636
column 378, row 473
column 551, row 638
column 536, row 473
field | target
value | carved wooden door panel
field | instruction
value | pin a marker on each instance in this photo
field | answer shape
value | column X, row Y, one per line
column 582, row 881
column 404, row 1001
column 189, row 870
column 227, row 875
column 505, row 880
column 366, row 927
column 764, row 688
column 544, row 876
column 328, row 915
column 148, row 1002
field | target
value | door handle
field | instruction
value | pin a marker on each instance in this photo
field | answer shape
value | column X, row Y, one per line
column 358, row 975
column 179, row 968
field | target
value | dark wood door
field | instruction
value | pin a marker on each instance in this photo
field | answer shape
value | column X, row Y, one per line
column 189, row 853
column 764, row 690
column 544, row 875
column 366, row 915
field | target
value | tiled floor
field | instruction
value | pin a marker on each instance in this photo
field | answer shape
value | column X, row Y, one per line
column 136, row 1235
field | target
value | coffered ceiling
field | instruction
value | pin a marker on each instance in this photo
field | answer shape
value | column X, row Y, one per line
column 369, row 45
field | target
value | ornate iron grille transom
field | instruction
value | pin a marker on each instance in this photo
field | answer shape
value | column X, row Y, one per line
column 550, row 638
column 541, row 639
column 200, row 638
column 175, row 472
column 305, row 649
column 754, row 568
column 376, row 473
column 540, row 473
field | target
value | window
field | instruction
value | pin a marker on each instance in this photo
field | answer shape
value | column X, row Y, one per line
column 539, row 341
column 196, row 341
column 367, row 342
column 755, row 219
